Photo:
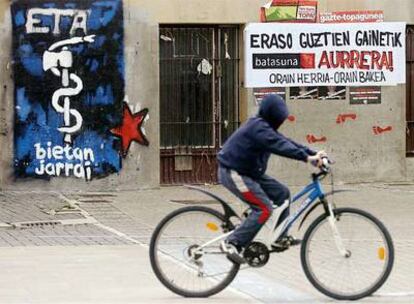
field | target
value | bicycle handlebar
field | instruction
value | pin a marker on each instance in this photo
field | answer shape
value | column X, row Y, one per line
column 325, row 164
column 325, row 168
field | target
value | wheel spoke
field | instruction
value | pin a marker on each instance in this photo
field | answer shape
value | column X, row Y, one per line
column 174, row 254
column 358, row 275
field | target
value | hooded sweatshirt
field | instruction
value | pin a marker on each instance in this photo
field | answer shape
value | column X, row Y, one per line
column 247, row 151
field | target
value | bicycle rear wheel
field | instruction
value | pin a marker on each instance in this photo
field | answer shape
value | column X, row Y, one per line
column 176, row 261
column 370, row 250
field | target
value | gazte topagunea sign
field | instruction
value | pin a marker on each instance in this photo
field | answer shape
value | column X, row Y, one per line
column 351, row 54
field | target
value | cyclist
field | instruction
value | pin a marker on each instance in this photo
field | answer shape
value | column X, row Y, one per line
column 242, row 166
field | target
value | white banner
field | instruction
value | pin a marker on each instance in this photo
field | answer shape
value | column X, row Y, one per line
column 351, row 54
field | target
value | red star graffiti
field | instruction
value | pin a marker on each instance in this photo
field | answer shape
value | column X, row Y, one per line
column 131, row 129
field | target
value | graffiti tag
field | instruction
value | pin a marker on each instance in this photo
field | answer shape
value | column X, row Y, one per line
column 35, row 24
column 52, row 161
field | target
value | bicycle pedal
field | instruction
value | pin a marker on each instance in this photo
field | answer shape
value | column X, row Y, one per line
column 233, row 254
column 295, row 242
column 235, row 258
column 279, row 248
column 285, row 244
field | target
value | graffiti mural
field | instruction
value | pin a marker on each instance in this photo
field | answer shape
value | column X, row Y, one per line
column 69, row 87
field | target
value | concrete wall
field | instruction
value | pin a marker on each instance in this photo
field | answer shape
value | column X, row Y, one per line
column 360, row 155
column 6, row 102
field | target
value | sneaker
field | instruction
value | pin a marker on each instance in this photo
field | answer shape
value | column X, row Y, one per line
column 285, row 242
column 233, row 252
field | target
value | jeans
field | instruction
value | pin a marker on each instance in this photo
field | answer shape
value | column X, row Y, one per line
column 260, row 194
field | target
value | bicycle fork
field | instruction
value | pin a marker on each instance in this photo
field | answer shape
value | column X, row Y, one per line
column 337, row 236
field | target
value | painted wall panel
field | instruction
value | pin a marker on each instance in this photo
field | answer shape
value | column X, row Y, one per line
column 69, row 87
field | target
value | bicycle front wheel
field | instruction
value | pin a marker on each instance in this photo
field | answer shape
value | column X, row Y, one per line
column 365, row 267
column 177, row 260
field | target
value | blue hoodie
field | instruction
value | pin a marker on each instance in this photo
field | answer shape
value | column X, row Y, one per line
column 247, row 151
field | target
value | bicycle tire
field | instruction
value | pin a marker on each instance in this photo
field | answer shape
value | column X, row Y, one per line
column 185, row 293
column 385, row 274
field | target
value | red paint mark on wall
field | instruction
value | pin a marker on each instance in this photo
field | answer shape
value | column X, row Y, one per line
column 291, row 118
column 131, row 129
column 378, row 130
column 313, row 139
column 343, row 117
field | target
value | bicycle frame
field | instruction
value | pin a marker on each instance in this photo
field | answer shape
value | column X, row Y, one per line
column 275, row 230
column 313, row 191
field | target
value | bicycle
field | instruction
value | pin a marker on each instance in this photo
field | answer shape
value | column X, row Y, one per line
column 346, row 253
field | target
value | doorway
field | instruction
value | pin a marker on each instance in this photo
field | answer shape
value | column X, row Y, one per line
column 199, row 99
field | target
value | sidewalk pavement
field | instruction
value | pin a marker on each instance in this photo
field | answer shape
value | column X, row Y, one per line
column 60, row 243
column 86, row 274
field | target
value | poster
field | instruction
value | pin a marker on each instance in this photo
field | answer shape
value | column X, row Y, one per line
column 364, row 95
column 69, row 87
column 352, row 16
column 259, row 93
column 283, row 54
column 303, row 11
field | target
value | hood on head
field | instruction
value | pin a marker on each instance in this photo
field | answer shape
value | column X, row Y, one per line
column 274, row 110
